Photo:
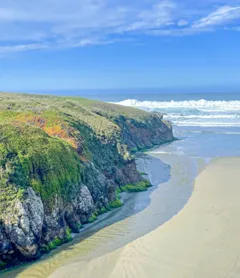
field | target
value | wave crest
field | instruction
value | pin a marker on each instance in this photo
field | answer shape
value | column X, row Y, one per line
column 202, row 105
column 202, row 113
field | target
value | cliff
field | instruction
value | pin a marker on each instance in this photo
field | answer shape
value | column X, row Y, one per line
column 62, row 163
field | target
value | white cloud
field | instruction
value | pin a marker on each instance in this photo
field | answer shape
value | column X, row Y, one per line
column 21, row 47
column 221, row 16
column 182, row 23
column 70, row 23
column 159, row 15
column 29, row 25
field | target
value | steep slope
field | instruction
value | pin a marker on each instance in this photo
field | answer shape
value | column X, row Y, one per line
column 62, row 160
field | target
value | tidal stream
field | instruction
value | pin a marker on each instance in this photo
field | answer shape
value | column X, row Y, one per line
column 173, row 178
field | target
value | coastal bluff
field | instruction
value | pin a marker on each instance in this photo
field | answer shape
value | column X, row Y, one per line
column 63, row 162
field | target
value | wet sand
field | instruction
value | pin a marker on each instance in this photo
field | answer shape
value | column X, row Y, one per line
column 201, row 241
column 173, row 178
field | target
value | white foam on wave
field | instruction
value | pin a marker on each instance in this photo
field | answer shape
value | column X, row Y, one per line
column 208, row 124
column 203, row 105
column 202, row 112
column 217, row 132
column 160, row 152
column 212, row 116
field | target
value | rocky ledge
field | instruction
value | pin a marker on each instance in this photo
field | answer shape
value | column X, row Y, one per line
column 63, row 162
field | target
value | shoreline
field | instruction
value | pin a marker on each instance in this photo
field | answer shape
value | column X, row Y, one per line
column 153, row 207
column 89, row 229
column 200, row 241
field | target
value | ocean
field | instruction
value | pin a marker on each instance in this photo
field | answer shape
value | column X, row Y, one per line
column 206, row 124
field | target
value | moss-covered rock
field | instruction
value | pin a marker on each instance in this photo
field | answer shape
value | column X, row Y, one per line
column 115, row 204
column 63, row 161
column 93, row 217
column 139, row 187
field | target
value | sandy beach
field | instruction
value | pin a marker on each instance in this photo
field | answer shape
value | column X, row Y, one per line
column 200, row 241
column 173, row 179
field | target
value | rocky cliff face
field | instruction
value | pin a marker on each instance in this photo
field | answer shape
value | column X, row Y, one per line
column 146, row 134
column 61, row 163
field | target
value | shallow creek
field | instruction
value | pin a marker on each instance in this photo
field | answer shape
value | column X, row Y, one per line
column 173, row 179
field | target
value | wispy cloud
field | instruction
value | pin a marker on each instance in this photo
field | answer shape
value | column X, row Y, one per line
column 30, row 25
column 222, row 15
column 182, row 23
column 21, row 47
column 157, row 16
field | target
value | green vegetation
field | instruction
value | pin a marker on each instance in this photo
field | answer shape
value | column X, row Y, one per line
column 143, row 173
column 68, row 234
column 139, row 187
column 134, row 150
column 115, row 204
column 55, row 145
column 45, row 141
column 102, row 211
column 2, row 265
column 52, row 245
column 57, row 242
column 93, row 217
column 118, row 192
column 50, row 166
column 51, row 113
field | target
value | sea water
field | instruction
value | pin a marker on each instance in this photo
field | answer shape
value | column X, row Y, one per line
column 208, row 125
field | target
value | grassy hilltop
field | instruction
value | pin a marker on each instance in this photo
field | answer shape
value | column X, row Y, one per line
column 46, row 138
column 62, row 162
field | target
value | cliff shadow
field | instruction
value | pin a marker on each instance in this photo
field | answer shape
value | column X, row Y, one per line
column 134, row 203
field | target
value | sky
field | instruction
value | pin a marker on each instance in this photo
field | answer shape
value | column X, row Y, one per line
column 107, row 44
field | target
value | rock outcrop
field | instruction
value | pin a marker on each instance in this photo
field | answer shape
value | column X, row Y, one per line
column 61, row 162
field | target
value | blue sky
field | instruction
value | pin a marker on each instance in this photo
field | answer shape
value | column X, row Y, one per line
column 69, row 44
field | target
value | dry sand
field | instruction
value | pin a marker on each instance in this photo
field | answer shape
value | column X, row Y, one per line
column 203, row 240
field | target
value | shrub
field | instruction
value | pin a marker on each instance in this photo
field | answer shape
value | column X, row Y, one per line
column 68, row 234
column 57, row 242
column 52, row 245
column 115, row 204
column 93, row 217
column 134, row 150
column 142, row 173
column 2, row 265
column 102, row 211
column 139, row 187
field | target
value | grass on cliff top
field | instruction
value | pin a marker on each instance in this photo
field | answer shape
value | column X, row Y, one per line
column 45, row 140
column 29, row 157
column 37, row 103
column 53, row 114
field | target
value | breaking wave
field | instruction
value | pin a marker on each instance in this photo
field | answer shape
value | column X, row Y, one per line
column 202, row 105
column 193, row 112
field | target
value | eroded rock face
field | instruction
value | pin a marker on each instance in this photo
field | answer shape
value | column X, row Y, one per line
column 142, row 135
column 23, row 228
column 54, row 222
column 81, row 207
column 5, row 243
column 101, row 186
column 33, row 223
